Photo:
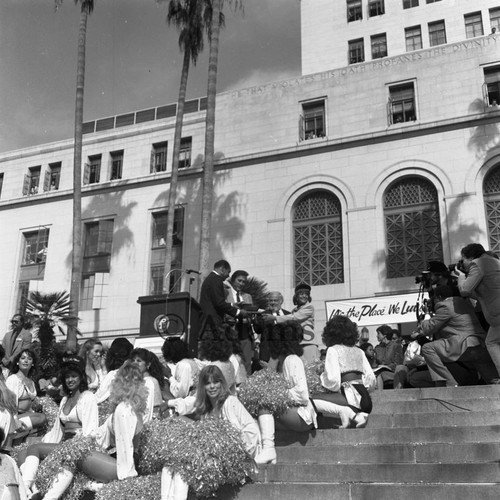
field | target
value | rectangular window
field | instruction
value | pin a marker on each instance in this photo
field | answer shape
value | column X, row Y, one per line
column 96, row 260
column 376, row 8
column 432, row 1
column 354, row 10
column 1, row 184
column 492, row 86
column 413, row 37
column 158, row 243
column 185, row 152
column 159, row 157
column 35, row 247
column 408, row 4
column 92, row 172
column 313, row 120
column 379, row 46
column 473, row 25
column 401, row 103
column 437, row 33
column 32, row 181
column 495, row 19
column 52, row 176
column 356, row 51
column 116, row 165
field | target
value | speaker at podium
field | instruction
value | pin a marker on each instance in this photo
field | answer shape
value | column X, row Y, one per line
column 172, row 314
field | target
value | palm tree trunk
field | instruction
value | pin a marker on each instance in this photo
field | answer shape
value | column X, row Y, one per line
column 172, row 195
column 208, row 183
column 76, row 260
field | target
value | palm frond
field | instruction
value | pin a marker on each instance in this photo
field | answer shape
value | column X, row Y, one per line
column 258, row 290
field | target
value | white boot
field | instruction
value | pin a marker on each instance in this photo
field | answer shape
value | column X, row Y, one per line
column 180, row 488
column 28, row 471
column 345, row 413
column 61, row 483
column 268, row 453
column 167, row 484
column 360, row 420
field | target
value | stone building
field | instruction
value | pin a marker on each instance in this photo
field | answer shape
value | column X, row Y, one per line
column 351, row 176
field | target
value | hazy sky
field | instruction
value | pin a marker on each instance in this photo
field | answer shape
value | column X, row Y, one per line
column 133, row 61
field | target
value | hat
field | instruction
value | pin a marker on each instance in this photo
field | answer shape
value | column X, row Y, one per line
column 435, row 266
column 73, row 362
column 302, row 286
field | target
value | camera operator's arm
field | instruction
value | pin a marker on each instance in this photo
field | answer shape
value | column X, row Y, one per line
column 468, row 283
column 433, row 325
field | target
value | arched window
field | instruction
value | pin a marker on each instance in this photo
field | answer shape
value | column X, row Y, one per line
column 317, row 231
column 412, row 226
column 491, row 191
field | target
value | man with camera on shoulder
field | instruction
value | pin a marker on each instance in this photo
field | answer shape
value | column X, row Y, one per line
column 454, row 329
column 480, row 280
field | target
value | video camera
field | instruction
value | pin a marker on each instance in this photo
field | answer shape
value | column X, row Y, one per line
column 459, row 265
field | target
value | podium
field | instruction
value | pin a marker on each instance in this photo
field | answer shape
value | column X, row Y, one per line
column 179, row 304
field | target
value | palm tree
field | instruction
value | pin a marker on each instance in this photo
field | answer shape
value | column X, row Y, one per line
column 208, row 176
column 86, row 8
column 187, row 16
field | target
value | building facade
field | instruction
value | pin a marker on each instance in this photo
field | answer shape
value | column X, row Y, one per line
column 350, row 177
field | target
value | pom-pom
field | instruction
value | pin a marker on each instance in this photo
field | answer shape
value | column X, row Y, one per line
column 265, row 390
column 50, row 408
column 65, row 456
column 313, row 371
column 133, row 488
column 207, row 454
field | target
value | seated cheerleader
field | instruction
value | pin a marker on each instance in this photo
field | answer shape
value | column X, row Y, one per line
column 118, row 434
column 285, row 349
column 91, row 352
column 11, row 483
column 9, row 422
column 152, row 371
column 348, row 376
column 214, row 400
column 23, row 385
column 77, row 414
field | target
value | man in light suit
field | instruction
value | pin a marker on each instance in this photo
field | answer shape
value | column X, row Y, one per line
column 454, row 328
column 15, row 340
column 481, row 281
column 213, row 296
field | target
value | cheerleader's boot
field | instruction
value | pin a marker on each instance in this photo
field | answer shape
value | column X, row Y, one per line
column 346, row 414
column 180, row 488
column 167, row 484
column 268, row 452
column 61, row 483
column 28, row 471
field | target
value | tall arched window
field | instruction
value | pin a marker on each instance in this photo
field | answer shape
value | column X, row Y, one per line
column 413, row 229
column 491, row 191
column 317, row 230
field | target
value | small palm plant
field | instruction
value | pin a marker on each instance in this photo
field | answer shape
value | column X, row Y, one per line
column 50, row 314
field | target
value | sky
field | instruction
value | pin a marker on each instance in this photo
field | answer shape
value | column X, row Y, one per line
column 133, row 61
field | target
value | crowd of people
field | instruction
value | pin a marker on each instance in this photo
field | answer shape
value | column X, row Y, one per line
column 250, row 372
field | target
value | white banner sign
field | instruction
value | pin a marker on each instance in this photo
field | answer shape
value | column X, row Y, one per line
column 376, row 310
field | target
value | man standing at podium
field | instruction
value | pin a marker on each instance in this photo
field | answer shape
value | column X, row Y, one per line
column 213, row 296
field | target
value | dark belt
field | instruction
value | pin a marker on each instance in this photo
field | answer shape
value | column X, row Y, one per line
column 350, row 376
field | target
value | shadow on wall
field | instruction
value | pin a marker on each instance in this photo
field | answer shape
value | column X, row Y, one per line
column 227, row 225
column 484, row 137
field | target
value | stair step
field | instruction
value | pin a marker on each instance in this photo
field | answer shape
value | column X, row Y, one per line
column 455, row 418
column 447, row 393
column 329, row 437
column 379, row 473
column 435, row 405
column 396, row 453
column 387, row 491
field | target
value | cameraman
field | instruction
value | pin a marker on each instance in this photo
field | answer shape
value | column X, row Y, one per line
column 454, row 328
column 481, row 281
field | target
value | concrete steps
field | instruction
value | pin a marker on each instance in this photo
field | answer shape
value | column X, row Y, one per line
column 433, row 443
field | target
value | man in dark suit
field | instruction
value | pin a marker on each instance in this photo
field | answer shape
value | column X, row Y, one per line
column 213, row 296
column 454, row 328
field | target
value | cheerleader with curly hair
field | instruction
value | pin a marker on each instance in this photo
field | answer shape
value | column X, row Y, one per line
column 118, row 434
column 348, row 376
column 285, row 349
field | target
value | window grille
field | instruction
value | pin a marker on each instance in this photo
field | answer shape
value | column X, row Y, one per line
column 413, row 228
column 318, row 245
column 491, row 192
